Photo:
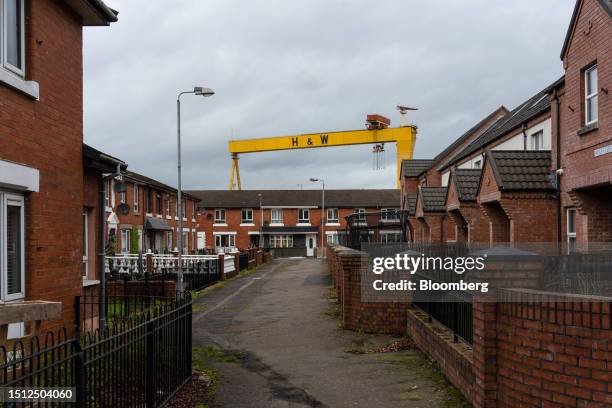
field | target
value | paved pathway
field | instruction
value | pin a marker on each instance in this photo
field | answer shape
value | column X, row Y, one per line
column 273, row 339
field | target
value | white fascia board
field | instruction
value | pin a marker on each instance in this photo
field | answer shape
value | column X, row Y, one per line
column 19, row 176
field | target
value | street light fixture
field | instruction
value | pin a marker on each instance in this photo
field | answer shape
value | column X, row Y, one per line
column 201, row 91
column 316, row 180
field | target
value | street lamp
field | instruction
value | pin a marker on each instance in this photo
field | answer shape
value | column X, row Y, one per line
column 260, row 220
column 198, row 90
column 316, row 180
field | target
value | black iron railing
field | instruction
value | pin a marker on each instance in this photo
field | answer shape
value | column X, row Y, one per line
column 381, row 227
column 141, row 361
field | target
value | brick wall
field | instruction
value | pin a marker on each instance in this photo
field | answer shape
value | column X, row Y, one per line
column 370, row 317
column 48, row 135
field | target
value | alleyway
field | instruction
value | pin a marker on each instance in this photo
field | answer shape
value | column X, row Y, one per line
column 273, row 340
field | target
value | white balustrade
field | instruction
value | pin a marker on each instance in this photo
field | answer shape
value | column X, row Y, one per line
column 127, row 264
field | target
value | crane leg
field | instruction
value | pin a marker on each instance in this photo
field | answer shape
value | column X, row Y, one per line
column 235, row 173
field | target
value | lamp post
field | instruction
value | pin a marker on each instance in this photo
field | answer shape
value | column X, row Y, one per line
column 198, row 90
column 260, row 220
column 315, row 180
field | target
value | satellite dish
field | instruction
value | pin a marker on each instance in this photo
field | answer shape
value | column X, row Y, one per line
column 123, row 209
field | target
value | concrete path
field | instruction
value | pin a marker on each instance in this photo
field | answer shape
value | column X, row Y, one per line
column 273, row 339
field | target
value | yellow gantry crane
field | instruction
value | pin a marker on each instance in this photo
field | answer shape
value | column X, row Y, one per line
column 377, row 133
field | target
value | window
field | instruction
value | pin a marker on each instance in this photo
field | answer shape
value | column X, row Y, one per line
column 332, row 239
column 390, row 214
column 136, row 206
column 303, row 216
column 185, row 242
column 167, row 205
column 126, row 238
column 122, row 197
column 107, row 190
column 158, row 199
column 478, row 164
column 390, row 237
column 590, row 95
column 12, row 247
column 184, row 209
column 12, row 36
column 169, row 242
column 361, row 217
column 148, row 202
column 225, row 241
column 85, row 244
column 571, row 230
column 537, row 140
column 247, row 216
column 193, row 208
column 276, row 215
column 220, row 216
column 281, row 241
column 333, row 216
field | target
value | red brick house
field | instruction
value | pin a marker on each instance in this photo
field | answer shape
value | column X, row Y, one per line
column 582, row 126
column 41, row 156
column 145, row 216
column 288, row 221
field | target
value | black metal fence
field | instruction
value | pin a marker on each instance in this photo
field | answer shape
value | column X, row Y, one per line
column 140, row 361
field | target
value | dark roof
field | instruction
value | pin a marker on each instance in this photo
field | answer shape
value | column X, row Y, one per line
column 531, row 108
column 433, row 198
column 311, row 198
column 521, row 169
column 416, row 167
column 470, row 133
column 93, row 12
column 605, row 4
column 153, row 183
column 289, row 230
column 466, row 181
column 157, row 224
column 410, row 202
column 96, row 159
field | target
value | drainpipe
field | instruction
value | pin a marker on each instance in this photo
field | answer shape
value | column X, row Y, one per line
column 559, row 171
column 524, row 130
column 102, row 236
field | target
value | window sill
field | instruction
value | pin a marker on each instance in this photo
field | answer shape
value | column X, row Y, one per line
column 28, row 88
column 588, row 129
column 332, row 224
column 277, row 224
column 168, row 217
column 247, row 224
column 303, row 224
column 219, row 225
column 90, row 282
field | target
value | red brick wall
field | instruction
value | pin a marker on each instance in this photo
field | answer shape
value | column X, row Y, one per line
column 369, row 317
column 48, row 135
column 554, row 354
column 532, row 216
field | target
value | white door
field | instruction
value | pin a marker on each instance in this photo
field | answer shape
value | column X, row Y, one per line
column 311, row 244
column 201, row 240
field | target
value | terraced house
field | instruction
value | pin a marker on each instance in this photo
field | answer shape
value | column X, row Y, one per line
column 290, row 222
column 541, row 172
column 41, row 156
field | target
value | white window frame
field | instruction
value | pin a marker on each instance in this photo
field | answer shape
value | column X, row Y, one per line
column 361, row 218
column 571, row 235
column 4, row 37
column 301, row 218
column 168, row 205
column 536, row 140
column 169, row 238
column 122, row 197
column 477, row 164
column 278, row 218
column 387, row 213
column 333, row 220
column 231, row 240
column 218, row 218
column 126, row 243
column 85, row 244
column 16, row 201
column 588, row 96
column 246, row 220
column 281, row 241
column 107, row 192
column 136, row 199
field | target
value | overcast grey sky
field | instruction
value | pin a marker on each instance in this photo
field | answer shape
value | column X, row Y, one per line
column 284, row 67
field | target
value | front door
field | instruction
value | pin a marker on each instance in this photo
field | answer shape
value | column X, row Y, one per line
column 311, row 244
